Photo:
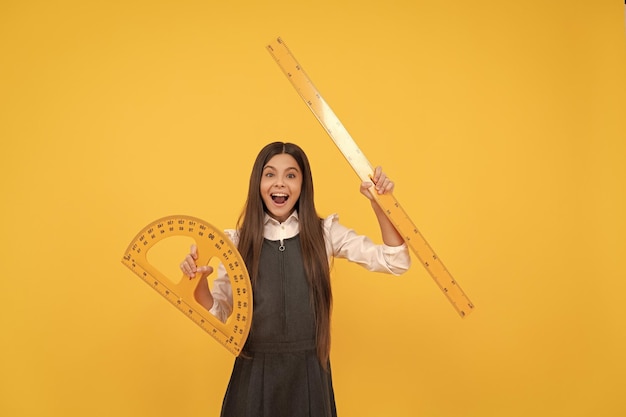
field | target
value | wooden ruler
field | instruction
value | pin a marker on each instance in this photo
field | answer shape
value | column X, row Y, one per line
column 212, row 244
column 324, row 114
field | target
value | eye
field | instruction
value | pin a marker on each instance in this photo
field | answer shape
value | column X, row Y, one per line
column 269, row 174
column 291, row 175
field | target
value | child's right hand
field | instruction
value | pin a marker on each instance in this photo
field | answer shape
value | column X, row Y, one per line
column 189, row 267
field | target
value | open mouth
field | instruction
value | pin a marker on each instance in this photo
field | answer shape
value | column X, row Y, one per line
column 279, row 198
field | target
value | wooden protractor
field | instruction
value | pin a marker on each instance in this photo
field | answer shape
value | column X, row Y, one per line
column 212, row 245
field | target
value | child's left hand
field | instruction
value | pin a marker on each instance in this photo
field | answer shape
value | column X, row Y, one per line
column 382, row 184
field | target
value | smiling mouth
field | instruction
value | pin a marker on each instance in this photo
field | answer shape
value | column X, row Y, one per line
column 279, row 198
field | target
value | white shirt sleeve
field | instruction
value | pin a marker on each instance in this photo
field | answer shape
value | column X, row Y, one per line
column 342, row 242
column 222, row 291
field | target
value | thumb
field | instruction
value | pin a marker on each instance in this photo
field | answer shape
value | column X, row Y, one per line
column 365, row 189
column 205, row 271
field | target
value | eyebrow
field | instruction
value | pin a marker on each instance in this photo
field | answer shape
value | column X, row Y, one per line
column 288, row 169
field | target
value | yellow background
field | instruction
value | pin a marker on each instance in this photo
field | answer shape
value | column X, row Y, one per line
column 501, row 122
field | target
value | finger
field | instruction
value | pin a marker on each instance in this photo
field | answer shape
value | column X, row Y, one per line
column 193, row 251
column 205, row 270
column 184, row 266
column 388, row 188
column 376, row 175
column 366, row 186
column 188, row 266
column 385, row 185
column 190, row 261
column 382, row 182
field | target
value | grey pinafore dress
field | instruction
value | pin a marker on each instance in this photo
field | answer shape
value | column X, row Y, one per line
column 278, row 372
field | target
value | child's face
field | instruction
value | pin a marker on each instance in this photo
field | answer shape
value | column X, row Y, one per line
column 281, row 183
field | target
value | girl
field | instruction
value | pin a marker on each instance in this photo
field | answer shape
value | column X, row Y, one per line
column 284, row 367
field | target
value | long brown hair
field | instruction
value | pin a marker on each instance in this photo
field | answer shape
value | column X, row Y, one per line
column 316, row 266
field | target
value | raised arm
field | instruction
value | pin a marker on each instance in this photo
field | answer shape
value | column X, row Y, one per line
column 382, row 185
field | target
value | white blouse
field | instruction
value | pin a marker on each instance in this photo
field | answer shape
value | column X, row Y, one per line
column 341, row 242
